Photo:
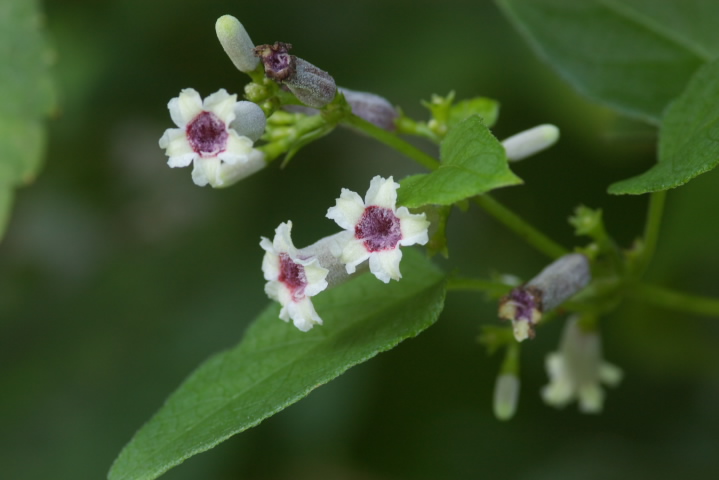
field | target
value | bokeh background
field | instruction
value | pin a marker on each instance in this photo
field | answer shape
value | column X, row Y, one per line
column 118, row 276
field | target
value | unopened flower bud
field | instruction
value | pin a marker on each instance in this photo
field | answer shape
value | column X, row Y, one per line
column 312, row 86
column 249, row 120
column 373, row 108
column 530, row 142
column 559, row 281
column 368, row 106
column 506, row 395
column 236, row 43
column 506, row 388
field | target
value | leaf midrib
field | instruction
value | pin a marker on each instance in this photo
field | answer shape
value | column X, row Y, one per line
column 186, row 432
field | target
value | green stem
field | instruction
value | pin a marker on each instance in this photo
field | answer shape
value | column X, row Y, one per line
column 519, row 226
column 683, row 302
column 477, row 284
column 651, row 230
column 391, row 140
column 510, row 219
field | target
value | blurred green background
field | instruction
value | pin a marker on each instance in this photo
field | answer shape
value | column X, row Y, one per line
column 118, row 275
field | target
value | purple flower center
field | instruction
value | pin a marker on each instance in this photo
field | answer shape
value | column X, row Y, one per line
column 207, row 135
column 379, row 228
column 293, row 276
column 524, row 302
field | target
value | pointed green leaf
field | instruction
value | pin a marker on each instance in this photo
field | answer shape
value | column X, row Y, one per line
column 632, row 55
column 688, row 140
column 275, row 365
column 473, row 162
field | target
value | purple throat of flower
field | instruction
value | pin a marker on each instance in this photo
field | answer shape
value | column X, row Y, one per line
column 293, row 276
column 207, row 135
column 379, row 228
column 526, row 300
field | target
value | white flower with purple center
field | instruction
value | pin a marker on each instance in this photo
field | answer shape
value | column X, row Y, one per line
column 221, row 155
column 292, row 278
column 377, row 228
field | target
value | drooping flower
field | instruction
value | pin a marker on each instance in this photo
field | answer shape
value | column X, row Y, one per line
column 292, row 278
column 577, row 370
column 220, row 154
column 559, row 281
column 377, row 228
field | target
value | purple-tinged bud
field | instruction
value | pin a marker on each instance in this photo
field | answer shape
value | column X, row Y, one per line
column 373, row 108
column 368, row 106
column 236, row 43
column 559, row 281
column 312, row 86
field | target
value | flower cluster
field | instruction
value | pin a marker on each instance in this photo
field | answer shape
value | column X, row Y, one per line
column 374, row 231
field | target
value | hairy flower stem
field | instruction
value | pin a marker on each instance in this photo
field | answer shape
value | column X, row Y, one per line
column 504, row 215
column 519, row 226
column 671, row 299
column 478, row 285
column 391, row 140
column 651, row 231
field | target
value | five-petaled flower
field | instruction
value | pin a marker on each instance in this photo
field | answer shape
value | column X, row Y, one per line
column 376, row 229
column 292, row 279
column 578, row 369
column 221, row 156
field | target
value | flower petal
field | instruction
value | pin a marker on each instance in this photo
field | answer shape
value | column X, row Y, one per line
column 270, row 262
column 303, row 314
column 283, row 239
column 185, row 107
column 353, row 254
column 198, row 173
column 414, row 227
column 591, row 398
column 385, row 265
column 237, row 149
column 382, row 192
column 316, row 278
column 221, row 104
column 348, row 210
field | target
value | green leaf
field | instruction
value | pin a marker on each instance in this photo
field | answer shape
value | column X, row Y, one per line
column 27, row 94
column 275, row 365
column 486, row 108
column 473, row 162
column 5, row 206
column 688, row 140
column 632, row 55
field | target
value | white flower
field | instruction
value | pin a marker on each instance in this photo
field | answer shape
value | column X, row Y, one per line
column 220, row 155
column 376, row 229
column 292, row 278
column 577, row 370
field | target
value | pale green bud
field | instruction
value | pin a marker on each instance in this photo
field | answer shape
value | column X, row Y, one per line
column 530, row 142
column 237, row 43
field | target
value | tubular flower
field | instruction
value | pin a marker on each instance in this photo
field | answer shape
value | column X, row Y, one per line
column 221, row 156
column 577, row 370
column 292, row 278
column 559, row 281
column 377, row 228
